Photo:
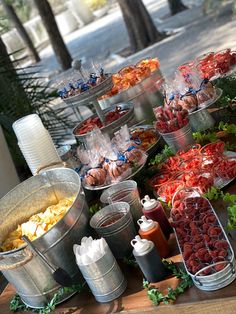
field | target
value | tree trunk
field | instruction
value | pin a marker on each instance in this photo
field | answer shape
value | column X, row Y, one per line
column 176, row 6
column 21, row 30
column 140, row 26
column 62, row 54
column 4, row 58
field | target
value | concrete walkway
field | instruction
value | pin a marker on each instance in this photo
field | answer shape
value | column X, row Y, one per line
column 103, row 39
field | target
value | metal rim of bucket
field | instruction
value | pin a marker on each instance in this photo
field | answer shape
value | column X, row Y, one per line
column 117, row 194
column 6, row 253
column 185, row 129
column 118, row 186
column 126, row 212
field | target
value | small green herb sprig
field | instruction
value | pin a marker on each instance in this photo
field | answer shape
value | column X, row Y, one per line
column 16, row 303
column 231, row 200
column 211, row 135
column 201, row 137
column 214, row 194
column 158, row 297
column 94, row 208
column 163, row 155
column 229, row 128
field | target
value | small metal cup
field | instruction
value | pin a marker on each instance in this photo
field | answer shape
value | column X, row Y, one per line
column 179, row 139
column 119, row 233
column 104, row 278
column 126, row 191
column 201, row 120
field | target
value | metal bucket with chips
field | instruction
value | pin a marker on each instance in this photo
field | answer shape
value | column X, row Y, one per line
column 42, row 197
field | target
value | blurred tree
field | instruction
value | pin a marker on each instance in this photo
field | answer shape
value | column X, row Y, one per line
column 20, row 29
column 176, row 6
column 62, row 54
column 4, row 55
column 140, row 26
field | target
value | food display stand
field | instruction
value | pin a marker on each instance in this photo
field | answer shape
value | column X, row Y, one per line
column 135, row 299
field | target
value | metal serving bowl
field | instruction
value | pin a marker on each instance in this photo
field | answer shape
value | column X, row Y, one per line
column 111, row 128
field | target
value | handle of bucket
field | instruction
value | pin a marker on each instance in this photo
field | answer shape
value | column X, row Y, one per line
column 28, row 257
column 57, row 163
column 210, row 266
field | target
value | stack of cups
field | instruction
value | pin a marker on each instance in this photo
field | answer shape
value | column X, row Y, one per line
column 35, row 143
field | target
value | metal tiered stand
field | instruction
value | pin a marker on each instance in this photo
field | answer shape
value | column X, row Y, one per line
column 90, row 97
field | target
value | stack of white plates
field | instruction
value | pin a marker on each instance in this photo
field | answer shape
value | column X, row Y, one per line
column 35, row 143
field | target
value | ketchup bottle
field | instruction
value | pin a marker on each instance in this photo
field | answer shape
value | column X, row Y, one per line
column 151, row 230
column 153, row 209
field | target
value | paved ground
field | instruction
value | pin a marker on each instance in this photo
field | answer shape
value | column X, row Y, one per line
column 100, row 40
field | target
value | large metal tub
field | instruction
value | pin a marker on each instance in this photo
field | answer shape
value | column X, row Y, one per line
column 28, row 274
column 145, row 96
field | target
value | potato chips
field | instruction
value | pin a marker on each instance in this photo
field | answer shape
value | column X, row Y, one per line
column 37, row 225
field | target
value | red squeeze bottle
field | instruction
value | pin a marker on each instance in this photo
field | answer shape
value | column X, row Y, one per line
column 151, row 230
column 153, row 209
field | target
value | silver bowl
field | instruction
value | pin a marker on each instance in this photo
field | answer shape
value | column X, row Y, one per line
column 111, row 128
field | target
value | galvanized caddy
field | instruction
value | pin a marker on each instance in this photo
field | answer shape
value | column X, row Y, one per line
column 219, row 279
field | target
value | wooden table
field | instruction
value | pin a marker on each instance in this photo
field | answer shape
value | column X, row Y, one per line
column 135, row 299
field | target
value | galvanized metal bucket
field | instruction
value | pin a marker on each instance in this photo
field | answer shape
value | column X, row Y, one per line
column 115, row 224
column 201, row 120
column 104, row 278
column 31, row 278
column 126, row 191
column 179, row 139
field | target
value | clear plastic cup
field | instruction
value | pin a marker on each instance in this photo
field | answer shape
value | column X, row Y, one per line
column 28, row 127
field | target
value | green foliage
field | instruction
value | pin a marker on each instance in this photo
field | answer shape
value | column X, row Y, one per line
column 228, row 85
column 165, row 153
column 16, row 303
column 202, row 137
column 231, row 200
column 96, row 4
column 230, row 146
column 94, row 208
column 229, row 128
column 23, row 92
column 231, row 225
column 158, row 297
column 213, row 193
column 211, row 135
